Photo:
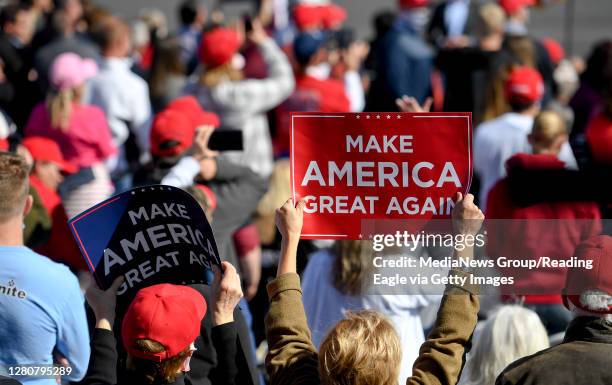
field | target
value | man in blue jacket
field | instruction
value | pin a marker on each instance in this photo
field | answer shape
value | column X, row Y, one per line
column 406, row 60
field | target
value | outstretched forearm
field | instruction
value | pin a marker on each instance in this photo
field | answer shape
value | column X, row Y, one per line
column 292, row 357
column 441, row 356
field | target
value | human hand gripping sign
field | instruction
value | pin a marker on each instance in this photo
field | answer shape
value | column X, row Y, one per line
column 467, row 217
column 289, row 220
column 227, row 292
column 103, row 303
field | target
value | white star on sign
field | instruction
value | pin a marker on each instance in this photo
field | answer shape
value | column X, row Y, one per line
column 388, row 116
column 399, row 116
column 377, row 116
column 358, row 116
column 367, row 116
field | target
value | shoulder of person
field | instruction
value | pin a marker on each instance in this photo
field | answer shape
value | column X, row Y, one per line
column 56, row 273
column 534, row 366
column 319, row 261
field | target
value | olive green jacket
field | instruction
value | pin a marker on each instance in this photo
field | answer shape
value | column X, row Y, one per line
column 292, row 358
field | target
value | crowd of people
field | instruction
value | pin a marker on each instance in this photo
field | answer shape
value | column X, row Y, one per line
column 92, row 105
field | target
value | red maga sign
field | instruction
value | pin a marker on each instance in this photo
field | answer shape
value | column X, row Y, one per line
column 372, row 166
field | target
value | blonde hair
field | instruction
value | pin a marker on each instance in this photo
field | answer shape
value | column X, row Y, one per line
column 548, row 126
column 353, row 262
column 59, row 105
column 491, row 19
column 279, row 189
column 511, row 333
column 278, row 192
column 363, row 349
column 215, row 76
column 14, row 185
column 151, row 372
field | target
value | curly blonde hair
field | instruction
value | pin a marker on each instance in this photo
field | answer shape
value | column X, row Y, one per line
column 362, row 349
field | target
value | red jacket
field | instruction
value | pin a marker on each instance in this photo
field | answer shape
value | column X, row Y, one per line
column 599, row 139
column 546, row 229
column 61, row 246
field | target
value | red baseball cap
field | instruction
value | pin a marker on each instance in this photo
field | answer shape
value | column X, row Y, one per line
column 47, row 150
column 512, row 6
column 218, row 46
column 172, row 133
column 554, row 49
column 597, row 249
column 4, row 145
column 307, row 17
column 413, row 3
column 524, row 85
column 332, row 16
column 165, row 313
column 190, row 106
column 209, row 194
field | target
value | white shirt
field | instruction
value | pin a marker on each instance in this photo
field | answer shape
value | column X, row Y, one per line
column 499, row 139
column 325, row 306
column 124, row 97
column 455, row 16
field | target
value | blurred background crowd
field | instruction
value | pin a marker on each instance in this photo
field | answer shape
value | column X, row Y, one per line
column 99, row 100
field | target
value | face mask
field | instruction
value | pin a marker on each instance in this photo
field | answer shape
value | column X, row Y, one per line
column 185, row 367
column 238, row 62
column 417, row 19
column 515, row 28
column 320, row 71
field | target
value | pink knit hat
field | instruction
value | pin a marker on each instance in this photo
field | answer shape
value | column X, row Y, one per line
column 69, row 70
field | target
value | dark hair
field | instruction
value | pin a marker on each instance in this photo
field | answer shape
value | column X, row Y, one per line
column 598, row 70
column 9, row 13
column 520, row 106
column 188, row 11
column 166, row 62
column 382, row 22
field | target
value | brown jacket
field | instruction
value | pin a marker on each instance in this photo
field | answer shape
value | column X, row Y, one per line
column 293, row 360
column 582, row 358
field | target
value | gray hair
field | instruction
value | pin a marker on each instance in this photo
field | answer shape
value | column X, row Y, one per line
column 511, row 333
column 595, row 300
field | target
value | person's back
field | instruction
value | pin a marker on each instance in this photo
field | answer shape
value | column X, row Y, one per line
column 407, row 60
column 123, row 96
column 586, row 349
column 40, row 305
column 512, row 332
column 497, row 140
column 465, row 69
column 545, row 229
column 494, row 143
column 42, row 309
column 84, row 142
column 584, row 355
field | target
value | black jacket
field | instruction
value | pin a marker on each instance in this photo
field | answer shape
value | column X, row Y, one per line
column 582, row 358
column 230, row 368
column 8, row 381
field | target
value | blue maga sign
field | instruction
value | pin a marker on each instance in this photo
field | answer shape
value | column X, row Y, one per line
column 150, row 235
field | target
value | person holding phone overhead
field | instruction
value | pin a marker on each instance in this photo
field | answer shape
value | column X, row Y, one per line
column 242, row 103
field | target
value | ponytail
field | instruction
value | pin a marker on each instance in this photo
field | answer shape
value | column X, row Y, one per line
column 59, row 105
